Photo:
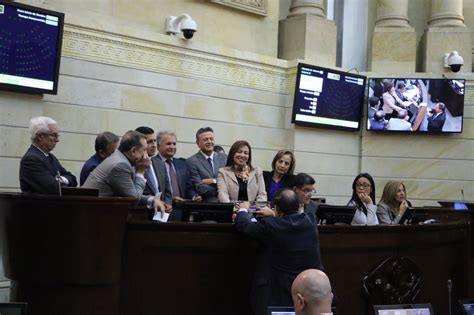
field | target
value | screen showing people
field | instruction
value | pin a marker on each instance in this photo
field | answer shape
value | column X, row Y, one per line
column 328, row 98
column 415, row 105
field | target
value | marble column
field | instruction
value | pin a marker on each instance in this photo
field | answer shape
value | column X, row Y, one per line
column 394, row 40
column 307, row 34
column 446, row 32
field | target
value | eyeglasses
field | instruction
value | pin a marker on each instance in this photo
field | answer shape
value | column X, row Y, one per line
column 52, row 135
column 308, row 191
column 363, row 186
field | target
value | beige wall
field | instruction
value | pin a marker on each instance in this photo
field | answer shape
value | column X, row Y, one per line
column 117, row 82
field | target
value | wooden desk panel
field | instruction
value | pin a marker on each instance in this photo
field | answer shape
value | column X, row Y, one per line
column 78, row 255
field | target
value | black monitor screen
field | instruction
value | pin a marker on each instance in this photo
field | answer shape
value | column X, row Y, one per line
column 329, row 214
column 404, row 309
column 414, row 105
column 328, row 98
column 467, row 306
column 207, row 212
column 30, row 48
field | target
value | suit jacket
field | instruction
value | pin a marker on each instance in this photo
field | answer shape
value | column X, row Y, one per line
column 115, row 176
column 228, row 186
column 287, row 181
column 312, row 207
column 290, row 244
column 436, row 123
column 163, row 181
column 38, row 173
column 200, row 169
column 185, row 185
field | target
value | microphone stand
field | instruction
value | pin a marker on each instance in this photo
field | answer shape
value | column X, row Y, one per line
column 450, row 286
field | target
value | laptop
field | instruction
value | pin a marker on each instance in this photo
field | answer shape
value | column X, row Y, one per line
column 404, row 309
column 13, row 308
column 287, row 310
column 467, row 306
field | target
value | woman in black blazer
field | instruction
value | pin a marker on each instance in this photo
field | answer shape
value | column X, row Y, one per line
column 281, row 176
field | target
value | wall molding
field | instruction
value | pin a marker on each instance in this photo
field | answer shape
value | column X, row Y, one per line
column 113, row 49
column 259, row 7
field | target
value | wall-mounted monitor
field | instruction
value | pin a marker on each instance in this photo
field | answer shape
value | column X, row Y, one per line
column 30, row 48
column 415, row 105
column 328, row 98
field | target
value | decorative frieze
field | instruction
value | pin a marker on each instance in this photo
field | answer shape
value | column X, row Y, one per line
column 258, row 7
column 113, row 49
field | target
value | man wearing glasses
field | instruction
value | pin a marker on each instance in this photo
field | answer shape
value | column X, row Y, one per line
column 304, row 189
column 40, row 170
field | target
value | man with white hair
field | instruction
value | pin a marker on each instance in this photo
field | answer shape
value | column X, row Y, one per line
column 40, row 170
column 312, row 294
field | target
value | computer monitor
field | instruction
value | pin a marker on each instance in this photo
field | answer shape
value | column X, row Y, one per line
column 414, row 216
column 287, row 310
column 330, row 214
column 404, row 309
column 207, row 212
column 13, row 308
column 467, row 306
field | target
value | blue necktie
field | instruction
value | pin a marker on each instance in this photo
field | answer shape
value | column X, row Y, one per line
column 211, row 164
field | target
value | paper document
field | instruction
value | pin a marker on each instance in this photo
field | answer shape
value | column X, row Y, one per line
column 162, row 218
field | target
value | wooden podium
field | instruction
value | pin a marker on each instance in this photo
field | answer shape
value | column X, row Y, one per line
column 64, row 254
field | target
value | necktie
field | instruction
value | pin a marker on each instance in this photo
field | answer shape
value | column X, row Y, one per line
column 211, row 164
column 173, row 179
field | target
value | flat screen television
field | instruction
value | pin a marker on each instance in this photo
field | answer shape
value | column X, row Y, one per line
column 404, row 309
column 30, row 48
column 330, row 214
column 415, row 105
column 328, row 98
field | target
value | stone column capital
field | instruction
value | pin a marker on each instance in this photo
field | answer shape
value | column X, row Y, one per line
column 314, row 7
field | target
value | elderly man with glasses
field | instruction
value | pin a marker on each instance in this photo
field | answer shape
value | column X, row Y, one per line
column 40, row 170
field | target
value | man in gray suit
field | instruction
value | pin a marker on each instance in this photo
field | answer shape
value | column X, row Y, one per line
column 157, row 182
column 203, row 166
column 116, row 175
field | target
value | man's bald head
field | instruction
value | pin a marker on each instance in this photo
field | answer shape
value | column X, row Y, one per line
column 311, row 292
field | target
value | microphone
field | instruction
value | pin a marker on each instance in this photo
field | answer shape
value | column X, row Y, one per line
column 58, row 179
column 462, row 193
column 450, row 286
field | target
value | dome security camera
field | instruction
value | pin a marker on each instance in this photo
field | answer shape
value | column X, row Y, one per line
column 188, row 27
column 183, row 23
column 454, row 61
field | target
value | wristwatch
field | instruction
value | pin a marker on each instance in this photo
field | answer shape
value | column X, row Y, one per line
column 214, row 181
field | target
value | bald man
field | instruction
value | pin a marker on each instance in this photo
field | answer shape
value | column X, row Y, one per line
column 311, row 293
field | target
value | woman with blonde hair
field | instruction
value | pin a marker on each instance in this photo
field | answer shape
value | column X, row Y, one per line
column 393, row 204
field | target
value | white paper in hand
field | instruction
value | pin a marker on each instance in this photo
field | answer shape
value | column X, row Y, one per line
column 162, row 218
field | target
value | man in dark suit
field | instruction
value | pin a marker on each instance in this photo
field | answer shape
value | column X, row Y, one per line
column 437, row 119
column 105, row 144
column 304, row 189
column 157, row 182
column 204, row 165
column 176, row 168
column 290, row 244
column 40, row 170
column 123, row 173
